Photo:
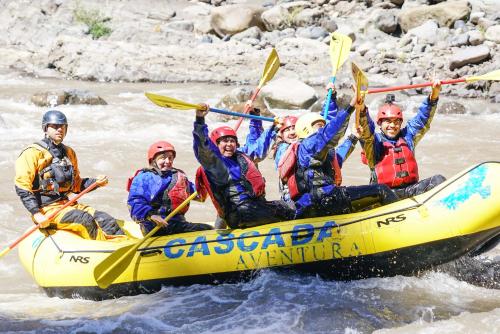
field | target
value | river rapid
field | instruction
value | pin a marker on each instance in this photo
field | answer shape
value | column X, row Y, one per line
column 112, row 139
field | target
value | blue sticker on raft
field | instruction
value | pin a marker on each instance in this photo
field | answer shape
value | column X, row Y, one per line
column 37, row 241
column 474, row 185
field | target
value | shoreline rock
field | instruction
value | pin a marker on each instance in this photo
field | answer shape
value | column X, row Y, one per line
column 209, row 41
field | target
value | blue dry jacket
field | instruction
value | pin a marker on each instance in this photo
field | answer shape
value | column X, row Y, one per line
column 412, row 133
column 315, row 150
column 258, row 141
column 146, row 188
column 343, row 150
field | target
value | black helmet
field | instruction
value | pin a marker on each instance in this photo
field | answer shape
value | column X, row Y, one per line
column 53, row 117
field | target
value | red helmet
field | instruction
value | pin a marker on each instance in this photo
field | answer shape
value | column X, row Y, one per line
column 159, row 147
column 222, row 131
column 288, row 121
column 389, row 110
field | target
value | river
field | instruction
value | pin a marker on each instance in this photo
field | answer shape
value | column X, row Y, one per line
column 113, row 139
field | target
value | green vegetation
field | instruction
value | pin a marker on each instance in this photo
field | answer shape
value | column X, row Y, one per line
column 94, row 19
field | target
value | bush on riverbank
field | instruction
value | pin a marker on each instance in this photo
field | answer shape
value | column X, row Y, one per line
column 95, row 20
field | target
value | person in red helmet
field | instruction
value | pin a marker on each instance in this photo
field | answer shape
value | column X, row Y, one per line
column 157, row 190
column 231, row 179
column 390, row 154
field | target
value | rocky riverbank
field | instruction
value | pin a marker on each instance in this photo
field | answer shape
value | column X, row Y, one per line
column 395, row 41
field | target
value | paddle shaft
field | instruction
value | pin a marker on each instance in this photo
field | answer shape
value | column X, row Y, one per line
column 269, row 73
column 425, row 84
column 328, row 99
column 168, row 217
column 232, row 113
column 247, row 107
column 52, row 216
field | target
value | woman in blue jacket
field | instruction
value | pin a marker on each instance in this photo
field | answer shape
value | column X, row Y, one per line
column 157, row 190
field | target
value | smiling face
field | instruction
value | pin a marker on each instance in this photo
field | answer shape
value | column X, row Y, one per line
column 391, row 126
column 227, row 146
column 56, row 132
column 164, row 160
column 288, row 134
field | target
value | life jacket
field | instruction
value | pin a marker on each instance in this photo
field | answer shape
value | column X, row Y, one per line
column 58, row 176
column 174, row 195
column 251, row 183
column 398, row 166
column 287, row 170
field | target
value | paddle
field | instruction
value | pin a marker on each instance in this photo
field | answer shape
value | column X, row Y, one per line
column 340, row 45
column 494, row 76
column 111, row 267
column 170, row 102
column 361, row 86
column 37, row 226
column 270, row 69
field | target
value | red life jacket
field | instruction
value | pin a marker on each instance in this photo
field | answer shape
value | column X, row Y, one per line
column 175, row 194
column 287, row 167
column 398, row 165
column 252, row 182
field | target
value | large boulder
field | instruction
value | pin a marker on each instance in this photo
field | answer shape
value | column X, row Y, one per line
column 470, row 55
column 276, row 18
column 426, row 33
column 235, row 101
column 476, row 37
column 307, row 17
column 494, row 92
column 312, row 32
column 493, row 34
column 387, row 22
column 451, row 107
column 289, row 14
column 288, row 93
column 445, row 13
column 250, row 33
column 69, row 96
column 232, row 19
column 489, row 8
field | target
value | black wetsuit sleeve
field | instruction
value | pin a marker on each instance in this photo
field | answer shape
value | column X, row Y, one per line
column 29, row 200
column 87, row 182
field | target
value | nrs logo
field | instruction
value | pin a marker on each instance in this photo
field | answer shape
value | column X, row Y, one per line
column 80, row 259
column 389, row 220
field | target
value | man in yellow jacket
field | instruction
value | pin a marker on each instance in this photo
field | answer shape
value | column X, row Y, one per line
column 46, row 172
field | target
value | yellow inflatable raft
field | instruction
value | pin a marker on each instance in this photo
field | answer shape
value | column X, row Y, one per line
column 459, row 217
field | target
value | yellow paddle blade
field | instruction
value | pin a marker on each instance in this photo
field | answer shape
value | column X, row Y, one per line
column 494, row 76
column 170, row 102
column 361, row 89
column 340, row 46
column 272, row 66
column 360, row 79
column 115, row 264
column 111, row 267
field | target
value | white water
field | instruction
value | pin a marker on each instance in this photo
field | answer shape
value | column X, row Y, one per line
column 113, row 140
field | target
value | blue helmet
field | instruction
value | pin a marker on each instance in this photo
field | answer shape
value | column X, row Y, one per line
column 53, row 117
